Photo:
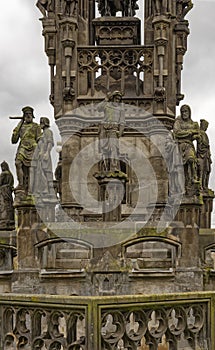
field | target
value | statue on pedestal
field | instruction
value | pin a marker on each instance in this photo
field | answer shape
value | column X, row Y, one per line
column 161, row 7
column 175, row 167
column 6, row 198
column 185, row 132
column 110, row 129
column 70, row 7
column 29, row 134
column 111, row 7
column 204, row 155
column 41, row 169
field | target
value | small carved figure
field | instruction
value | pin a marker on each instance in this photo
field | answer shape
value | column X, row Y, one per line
column 161, row 7
column 110, row 130
column 6, row 177
column 182, row 8
column 204, row 155
column 129, row 8
column 6, row 198
column 29, row 134
column 41, row 169
column 111, row 7
column 69, row 93
column 185, row 132
column 70, row 8
column 45, row 6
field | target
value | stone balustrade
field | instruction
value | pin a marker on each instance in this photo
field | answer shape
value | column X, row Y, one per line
column 171, row 321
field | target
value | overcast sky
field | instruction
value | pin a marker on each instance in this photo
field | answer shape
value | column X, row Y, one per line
column 24, row 73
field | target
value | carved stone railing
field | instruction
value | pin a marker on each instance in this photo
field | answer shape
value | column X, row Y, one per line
column 38, row 322
column 100, row 68
column 180, row 321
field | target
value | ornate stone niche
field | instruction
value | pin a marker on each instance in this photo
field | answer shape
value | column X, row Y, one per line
column 154, row 255
column 64, row 256
column 6, row 259
column 209, row 257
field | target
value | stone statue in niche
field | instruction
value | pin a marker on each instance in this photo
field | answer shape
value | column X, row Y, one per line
column 45, row 6
column 110, row 129
column 29, row 134
column 160, row 7
column 70, row 7
column 204, row 155
column 111, row 7
column 6, row 198
column 182, row 8
column 41, row 169
column 185, row 132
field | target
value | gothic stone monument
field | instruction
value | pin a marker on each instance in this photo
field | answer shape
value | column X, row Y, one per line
column 133, row 208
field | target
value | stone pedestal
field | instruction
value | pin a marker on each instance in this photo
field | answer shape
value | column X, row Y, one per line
column 117, row 30
column 189, row 210
column 206, row 210
column 159, row 211
column 28, row 223
column 112, row 191
column 46, row 209
column 28, row 220
column 189, row 274
column 7, row 253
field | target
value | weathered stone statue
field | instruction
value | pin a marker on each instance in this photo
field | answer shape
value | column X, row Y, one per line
column 6, row 198
column 41, row 170
column 111, row 7
column 185, row 132
column 70, row 7
column 161, row 7
column 182, row 8
column 110, row 130
column 175, row 167
column 45, row 6
column 29, row 134
column 204, row 155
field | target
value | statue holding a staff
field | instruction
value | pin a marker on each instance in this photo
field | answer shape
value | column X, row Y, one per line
column 28, row 133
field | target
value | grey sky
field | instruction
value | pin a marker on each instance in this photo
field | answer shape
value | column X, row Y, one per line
column 24, row 73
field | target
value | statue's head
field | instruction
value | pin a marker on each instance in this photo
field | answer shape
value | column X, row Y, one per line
column 115, row 96
column 28, row 114
column 4, row 166
column 185, row 112
column 203, row 124
column 44, row 122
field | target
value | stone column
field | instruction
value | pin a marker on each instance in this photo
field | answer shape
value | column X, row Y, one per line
column 71, row 146
column 111, row 189
column 158, row 162
column 28, row 220
column 206, row 210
